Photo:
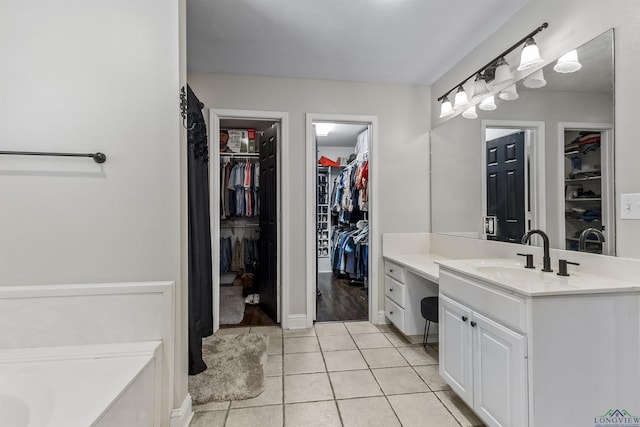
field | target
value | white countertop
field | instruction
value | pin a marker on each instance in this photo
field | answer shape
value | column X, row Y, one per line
column 423, row 264
column 511, row 275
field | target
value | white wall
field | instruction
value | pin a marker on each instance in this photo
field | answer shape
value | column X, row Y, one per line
column 572, row 23
column 403, row 114
column 81, row 76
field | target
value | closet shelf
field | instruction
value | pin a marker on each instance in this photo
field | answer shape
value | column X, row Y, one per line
column 586, row 199
column 575, row 239
column 587, row 178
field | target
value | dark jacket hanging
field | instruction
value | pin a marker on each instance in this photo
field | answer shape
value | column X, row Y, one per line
column 200, row 282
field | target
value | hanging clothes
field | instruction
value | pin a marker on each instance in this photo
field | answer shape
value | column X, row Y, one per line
column 349, row 199
column 349, row 251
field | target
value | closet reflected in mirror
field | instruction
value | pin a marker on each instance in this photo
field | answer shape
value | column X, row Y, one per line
column 542, row 159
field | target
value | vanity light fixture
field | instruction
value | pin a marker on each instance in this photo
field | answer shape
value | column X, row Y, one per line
column 488, row 104
column 535, row 80
column 461, row 98
column 530, row 56
column 446, row 109
column 498, row 71
column 470, row 113
column 568, row 63
column 509, row 94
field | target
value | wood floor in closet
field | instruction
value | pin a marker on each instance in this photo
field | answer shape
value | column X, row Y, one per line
column 340, row 300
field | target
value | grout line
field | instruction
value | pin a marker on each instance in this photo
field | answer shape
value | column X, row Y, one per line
column 333, row 392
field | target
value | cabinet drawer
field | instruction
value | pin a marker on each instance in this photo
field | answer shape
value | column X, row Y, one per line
column 394, row 270
column 504, row 307
column 395, row 313
column 394, row 290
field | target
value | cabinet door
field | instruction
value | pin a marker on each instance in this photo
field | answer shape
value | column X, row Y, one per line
column 455, row 347
column 499, row 373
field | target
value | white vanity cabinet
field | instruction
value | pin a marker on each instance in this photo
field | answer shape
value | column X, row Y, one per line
column 482, row 357
column 403, row 290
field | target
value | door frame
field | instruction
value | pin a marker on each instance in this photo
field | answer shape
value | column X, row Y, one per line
column 534, row 149
column 606, row 168
column 215, row 115
column 311, row 218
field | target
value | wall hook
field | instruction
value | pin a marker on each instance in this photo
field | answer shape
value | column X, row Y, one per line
column 183, row 109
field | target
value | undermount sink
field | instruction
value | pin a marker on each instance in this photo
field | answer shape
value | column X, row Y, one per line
column 508, row 272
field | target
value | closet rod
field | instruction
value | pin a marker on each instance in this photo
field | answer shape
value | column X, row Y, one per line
column 240, row 226
column 97, row 157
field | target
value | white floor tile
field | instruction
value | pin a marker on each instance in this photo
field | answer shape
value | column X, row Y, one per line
column 422, row 410
column 209, row 419
column 383, row 358
column 336, row 342
column 288, row 333
column 272, row 395
column 312, row 414
column 347, row 360
column 323, row 329
column 432, row 377
column 212, row 406
column 349, row 384
column 459, row 409
column 274, row 365
column 274, row 346
column 301, row 345
column 307, row 388
column 417, row 356
column 399, row 381
column 265, row 416
column 361, row 328
column 377, row 340
column 367, row 412
column 303, row 363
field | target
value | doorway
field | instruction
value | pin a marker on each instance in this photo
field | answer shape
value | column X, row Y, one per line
column 513, row 179
column 342, row 221
column 247, row 217
column 341, row 218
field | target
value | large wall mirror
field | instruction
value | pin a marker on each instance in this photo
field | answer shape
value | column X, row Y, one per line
column 542, row 160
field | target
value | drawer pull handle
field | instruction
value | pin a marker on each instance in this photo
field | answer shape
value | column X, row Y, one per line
column 391, row 312
column 473, row 324
column 391, row 270
column 390, row 289
column 464, row 318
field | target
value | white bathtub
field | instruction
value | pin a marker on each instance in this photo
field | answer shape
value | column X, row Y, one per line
column 89, row 385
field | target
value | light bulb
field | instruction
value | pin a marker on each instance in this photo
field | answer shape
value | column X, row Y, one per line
column 503, row 73
column 535, row 80
column 461, row 98
column 530, row 55
column 480, row 87
column 446, row 109
column 470, row 113
column 568, row 63
column 488, row 104
column 509, row 94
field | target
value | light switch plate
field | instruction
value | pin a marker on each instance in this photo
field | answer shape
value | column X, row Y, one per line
column 630, row 206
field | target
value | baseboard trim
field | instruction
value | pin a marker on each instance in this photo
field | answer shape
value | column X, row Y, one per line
column 382, row 318
column 297, row 321
column 181, row 417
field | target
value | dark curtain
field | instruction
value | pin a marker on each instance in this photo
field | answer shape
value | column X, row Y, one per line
column 200, row 283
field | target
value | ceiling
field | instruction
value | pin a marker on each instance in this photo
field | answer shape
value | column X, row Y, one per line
column 390, row 41
column 341, row 135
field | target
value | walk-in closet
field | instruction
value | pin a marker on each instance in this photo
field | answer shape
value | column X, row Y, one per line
column 342, row 221
column 247, row 192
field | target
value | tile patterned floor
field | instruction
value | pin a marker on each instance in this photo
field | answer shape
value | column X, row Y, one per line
column 344, row 374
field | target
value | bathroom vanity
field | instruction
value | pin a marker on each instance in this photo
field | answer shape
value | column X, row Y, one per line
column 523, row 347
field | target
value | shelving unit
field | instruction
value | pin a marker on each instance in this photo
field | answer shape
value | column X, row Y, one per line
column 323, row 215
column 585, row 187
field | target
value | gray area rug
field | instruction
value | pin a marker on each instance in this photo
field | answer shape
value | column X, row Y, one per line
column 231, row 305
column 235, row 368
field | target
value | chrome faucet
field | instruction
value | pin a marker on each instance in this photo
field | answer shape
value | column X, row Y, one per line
column 583, row 237
column 546, row 260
